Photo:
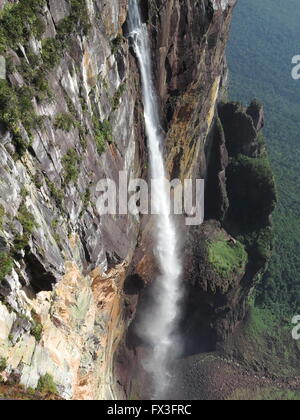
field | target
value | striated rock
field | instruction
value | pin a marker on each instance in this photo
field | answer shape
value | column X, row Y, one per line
column 60, row 222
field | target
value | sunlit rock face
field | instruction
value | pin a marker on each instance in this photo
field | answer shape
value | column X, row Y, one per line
column 77, row 281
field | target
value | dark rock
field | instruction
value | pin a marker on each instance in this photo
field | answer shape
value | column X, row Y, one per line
column 239, row 130
column 40, row 278
column 256, row 111
column 216, row 200
column 4, row 247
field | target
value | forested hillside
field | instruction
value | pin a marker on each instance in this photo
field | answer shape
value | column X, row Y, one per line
column 265, row 37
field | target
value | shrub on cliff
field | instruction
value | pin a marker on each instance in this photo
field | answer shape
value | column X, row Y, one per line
column 116, row 44
column 16, row 107
column 19, row 21
column 51, row 53
column 46, row 385
column 64, row 121
column 26, row 219
column 6, row 265
column 103, row 134
column 115, row 101
column 37, row 327
column 71, row 163
column 2, row 215
column 3, row 364
column 78, row 20
column 28, row 223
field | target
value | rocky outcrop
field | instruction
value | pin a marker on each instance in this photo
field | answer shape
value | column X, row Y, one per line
column 81, row 324
column 222, row 270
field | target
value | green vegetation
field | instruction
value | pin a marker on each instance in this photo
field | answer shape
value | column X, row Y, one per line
column 28, row 223
column 6, row 265
column 15, row 107
column 17, row 392
column 55, row 233
column 64, row 121
column 116, row 44
column 103, row 134
column 86, row 201
column 35, row 76
column 269, row 344
column 115, row 102
column 46, row 384
column 266, row 34
column 20, row 21
column 37, row 327
column 26, row 219
column 51, row 53
column 20, row 242
column 86, row 198
column 71, row 162
column 56, row 193
column 83, row 132
column 260, row 243
column 77, row 21
column 264, row 344
column 227, row 258
column 2, row 215
column 3, row 364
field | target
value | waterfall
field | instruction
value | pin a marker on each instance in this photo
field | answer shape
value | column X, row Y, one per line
column 160, row 320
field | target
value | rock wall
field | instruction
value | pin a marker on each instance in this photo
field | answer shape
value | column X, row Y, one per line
column 71, row 114
column 67, row 264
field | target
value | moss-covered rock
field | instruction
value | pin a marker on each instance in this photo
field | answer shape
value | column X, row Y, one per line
column 227, row 256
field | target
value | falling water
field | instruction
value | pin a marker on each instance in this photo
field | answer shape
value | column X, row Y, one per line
column 160, row 321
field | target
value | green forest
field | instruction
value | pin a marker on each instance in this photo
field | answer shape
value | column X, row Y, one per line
column 264, row 39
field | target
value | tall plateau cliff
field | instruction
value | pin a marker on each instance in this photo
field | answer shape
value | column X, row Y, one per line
column 72, row 283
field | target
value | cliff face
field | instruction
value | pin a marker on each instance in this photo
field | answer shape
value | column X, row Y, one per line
column 70, row 115
column 83, row 85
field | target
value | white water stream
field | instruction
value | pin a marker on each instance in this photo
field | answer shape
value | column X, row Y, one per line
column 159, row 324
